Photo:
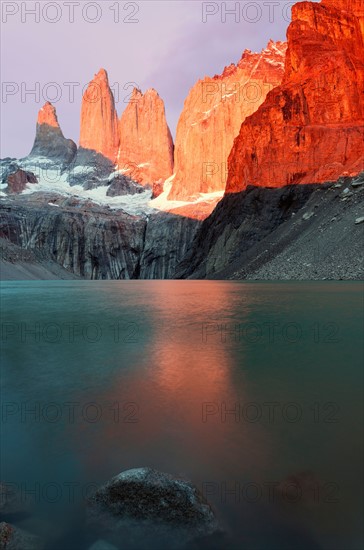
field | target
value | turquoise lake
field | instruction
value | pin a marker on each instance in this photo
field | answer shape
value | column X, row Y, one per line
column 249, row 390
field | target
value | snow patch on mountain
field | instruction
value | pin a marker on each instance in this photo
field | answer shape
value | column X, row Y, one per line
column 52, row 180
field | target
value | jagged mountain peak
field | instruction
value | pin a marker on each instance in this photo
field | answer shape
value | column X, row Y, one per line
column 146, row 145
column 50, row 146
column 47, row 115
column 101, row 75
column 99, row 121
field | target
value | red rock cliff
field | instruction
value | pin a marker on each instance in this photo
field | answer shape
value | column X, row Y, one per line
column 311, row 128
column 212, row 116
column 146, row 145
column 99, row 122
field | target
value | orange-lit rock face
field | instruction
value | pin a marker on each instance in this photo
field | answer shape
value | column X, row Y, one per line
column 212, row 116
column 47, row 115
column 99, row 122
column 146, row 145
column 309, row 129
column 356, row 7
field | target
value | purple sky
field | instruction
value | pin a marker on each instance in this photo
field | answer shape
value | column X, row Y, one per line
column 169, row 49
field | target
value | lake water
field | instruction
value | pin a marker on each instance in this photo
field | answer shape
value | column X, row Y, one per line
column 236, row 386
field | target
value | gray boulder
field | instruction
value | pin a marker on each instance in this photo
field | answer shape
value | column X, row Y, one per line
column 148, row 508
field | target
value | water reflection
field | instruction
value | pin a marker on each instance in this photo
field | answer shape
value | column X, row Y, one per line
column 172, row 396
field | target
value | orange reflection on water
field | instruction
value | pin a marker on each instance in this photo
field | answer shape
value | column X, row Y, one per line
column 184, row 389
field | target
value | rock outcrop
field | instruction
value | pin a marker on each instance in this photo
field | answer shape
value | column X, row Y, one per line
column 311, row 128
column 14, row 177
column 212, row 116
column 18, row 180
column 146, row 145
column 50, row 143
column 152, row 509
column 99, row 122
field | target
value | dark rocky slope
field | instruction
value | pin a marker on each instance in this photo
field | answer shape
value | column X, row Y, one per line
column 296, row 232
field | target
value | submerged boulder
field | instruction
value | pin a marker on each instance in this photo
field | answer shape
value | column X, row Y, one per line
column 147, row 507
column 13, row 538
